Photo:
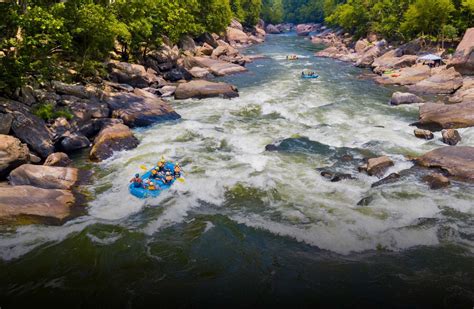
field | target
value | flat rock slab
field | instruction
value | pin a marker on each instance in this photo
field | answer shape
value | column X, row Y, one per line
column 112, row 138
column 451, row 116
column 46, row 177
column 140, row 108
column 406, row 76
column 458, row 161
column 204, row 89
column 443, row 82
column 33, row 201
column 216, row 67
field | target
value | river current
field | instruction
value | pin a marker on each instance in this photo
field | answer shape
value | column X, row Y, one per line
column 255, row 227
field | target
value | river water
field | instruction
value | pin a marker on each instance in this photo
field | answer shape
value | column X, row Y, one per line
column 255, row 227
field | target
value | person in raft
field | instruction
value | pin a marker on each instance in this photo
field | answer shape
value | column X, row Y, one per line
column 151, row 185
column 168, row 178
column 154, row 173
column 177, row 171
column 137, row 181
column 160, row 167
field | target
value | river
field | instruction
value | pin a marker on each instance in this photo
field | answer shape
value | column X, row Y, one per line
column 254, row 227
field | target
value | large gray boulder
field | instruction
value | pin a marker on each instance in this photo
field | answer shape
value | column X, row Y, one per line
column 216, row 67
column 46, row 177
column 140, row 108
column 204, row 89
column 12, row 154
column 28, row 128
column 404, row 98
column 272, row 29
column 58, row 159
column 135, row 75
column 463, row 60
column 450, row 116
column 443, row 82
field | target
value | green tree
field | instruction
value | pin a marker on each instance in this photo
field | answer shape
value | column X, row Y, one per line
column 251, row 9
column 237, row 10
column 272, row 11
column 213, row 15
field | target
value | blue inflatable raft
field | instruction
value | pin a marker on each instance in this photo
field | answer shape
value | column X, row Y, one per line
column 141, row 192
column 309, row 76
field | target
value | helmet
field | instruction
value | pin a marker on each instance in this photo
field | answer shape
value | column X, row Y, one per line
column 137, row 175
column 161, row 163
column 153, row 171
column 168, row 173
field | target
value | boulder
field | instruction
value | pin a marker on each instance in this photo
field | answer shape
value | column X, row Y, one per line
column 378, row 166
column 458, row 161
column 207, row 38
column 390, row 60
column 236, row 35
column 187, row 43
column 361, row 45
column 451, row 137
column 140, row 108
column 198, row 72
column 234, row 23
column 74, row 141
column 205, row 49
column 58, row 159
column 411, row 48
column 167, row 91
column 33, row 201
column 259, row 31
column 465, row 93
column 426, row 134
column 12, row 154
column 5, row 123
column 46, row 177
column 27, row 95
column 177, row 74
column 443, row 82
column 368, row 57
column 303, row 29
column 463, row 60
column 436, row 181
column 28, row 128
column 404, row 98
column 216, row 67
column 132, row 74
column 406, row 76
column 272, row 29
column 450, row 116
column 77, row 90
column 393, row 177
column 112, row 138
column 204, row 89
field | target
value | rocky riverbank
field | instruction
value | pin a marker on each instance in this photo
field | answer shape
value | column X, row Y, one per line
column 44, row 123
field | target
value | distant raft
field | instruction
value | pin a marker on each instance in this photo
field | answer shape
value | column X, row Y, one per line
column 309, row 75
column 143, row 192
column 292, row 57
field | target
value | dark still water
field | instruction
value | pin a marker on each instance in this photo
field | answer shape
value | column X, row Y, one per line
column 256, row 228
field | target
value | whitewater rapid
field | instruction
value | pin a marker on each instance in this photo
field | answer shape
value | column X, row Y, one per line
column 221, row 146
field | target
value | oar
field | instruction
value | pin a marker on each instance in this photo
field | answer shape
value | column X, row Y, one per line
column 143, row 167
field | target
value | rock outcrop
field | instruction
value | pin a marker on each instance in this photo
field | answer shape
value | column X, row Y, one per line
column 390, row 61
column 112, row 138
column 451, row 116
column 12, row 154
column 272, row 29
column 436, row 181
column 463, row 60
column 303, row 29
column 5, row 123
column 404, row 98
column 46, row 177
column 216, row 67
column 443, row 82
column 204, row 89
column 465, row 93
column 236, row 35
column 140, row 108
column 378, row 166
column 406, row 76
column 425, row 134
column 458, row 161
column 36, row 202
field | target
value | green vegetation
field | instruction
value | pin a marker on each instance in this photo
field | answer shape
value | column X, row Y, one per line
column 42, row 39
column 47, row 112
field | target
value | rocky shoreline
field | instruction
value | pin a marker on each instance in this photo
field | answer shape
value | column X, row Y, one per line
column 100, row 115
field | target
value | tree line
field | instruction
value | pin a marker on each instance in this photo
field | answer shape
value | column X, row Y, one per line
column 45, row 39
column 392, row 19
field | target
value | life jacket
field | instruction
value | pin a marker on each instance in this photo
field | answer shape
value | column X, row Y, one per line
column 151, row 186
column 169, row 178
column 136, row 180
column 177, row 169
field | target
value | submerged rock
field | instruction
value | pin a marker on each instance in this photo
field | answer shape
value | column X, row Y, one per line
column 204, row 89
column 112, row 138
column 404, row 98
column 450, row 116
column 378, row 166
column 12, row 154
column 393, row 177
column 451, row 137
column 46, row 177
column 33, row 201
column 458, row 161
column 436, row 181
